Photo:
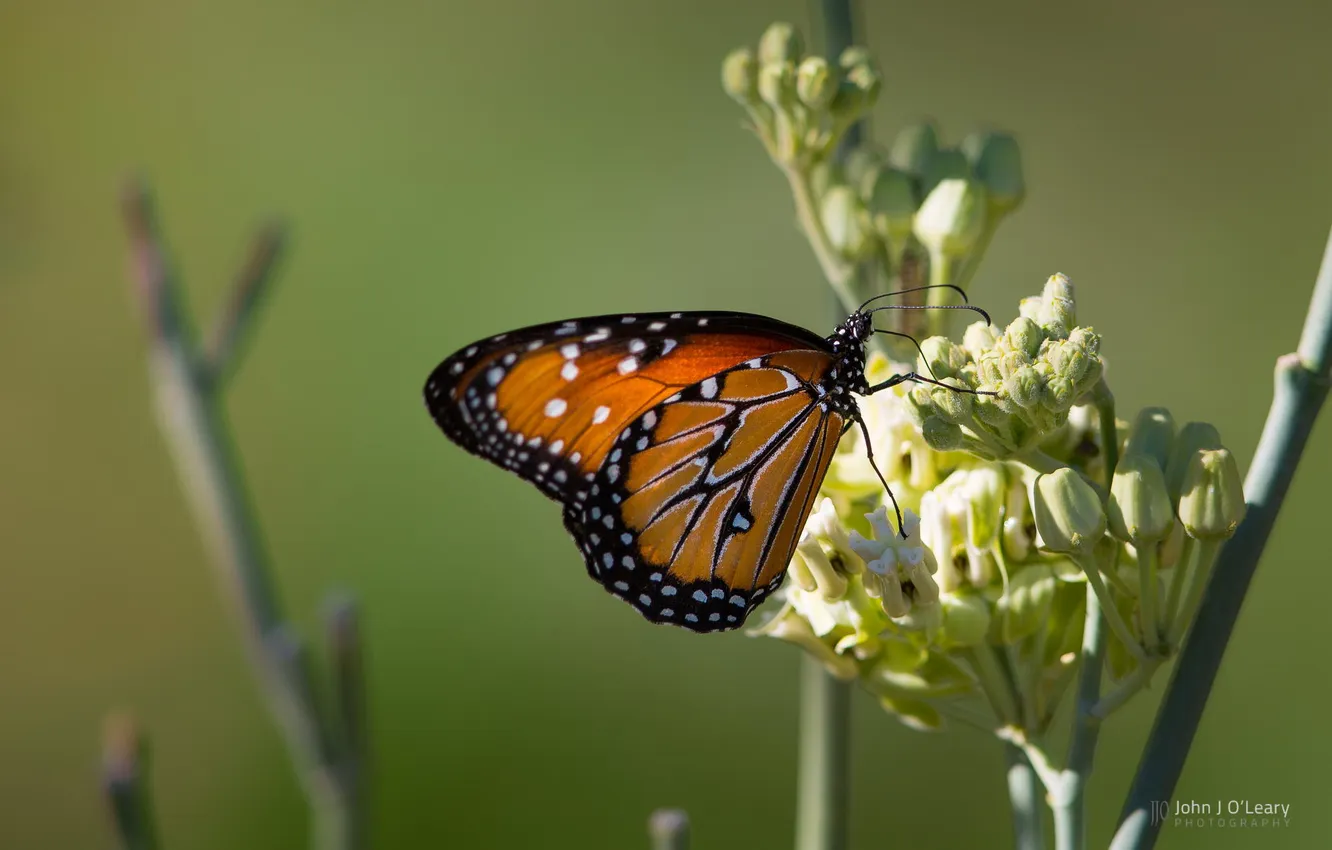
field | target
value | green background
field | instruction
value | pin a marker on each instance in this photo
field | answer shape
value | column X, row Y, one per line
column 457, row 169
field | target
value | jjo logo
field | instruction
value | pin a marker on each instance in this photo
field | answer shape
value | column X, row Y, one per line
column 1160, row 811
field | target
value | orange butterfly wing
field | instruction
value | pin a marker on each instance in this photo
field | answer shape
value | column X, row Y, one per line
column 694, row 515
column 687, row 448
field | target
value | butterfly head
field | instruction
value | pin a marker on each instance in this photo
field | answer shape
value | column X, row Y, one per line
column 848, row 344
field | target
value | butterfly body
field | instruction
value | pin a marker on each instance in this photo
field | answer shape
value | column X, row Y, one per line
column 686, row 448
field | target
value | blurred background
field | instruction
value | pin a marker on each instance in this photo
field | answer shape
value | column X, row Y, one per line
column 453, row 170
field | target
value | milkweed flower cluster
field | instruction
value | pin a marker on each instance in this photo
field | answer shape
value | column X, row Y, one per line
column 976, row 609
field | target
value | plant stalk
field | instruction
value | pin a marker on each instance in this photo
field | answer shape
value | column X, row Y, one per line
column 1302, row 381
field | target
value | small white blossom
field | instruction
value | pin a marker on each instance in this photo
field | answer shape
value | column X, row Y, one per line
column 896, row 561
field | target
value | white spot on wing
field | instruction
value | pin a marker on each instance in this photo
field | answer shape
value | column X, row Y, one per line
column 599, row 415
column 627, row 365
column 556, row 407
column 569, row 372
column 708, row 389
column 570, row 350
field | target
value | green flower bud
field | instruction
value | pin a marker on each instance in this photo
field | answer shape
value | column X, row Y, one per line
column 815, row 82
column 966, row 620
column 946, row 164
column 780, row 42
column 1067, row 512
column 942, row 357
column 1192, row 438
column 1025, row 336
column 913, row 148
column 997, row 162
column 1151, row 434
column 1024, row 388
column 1139, row 511
column 861, row 82
column 845, row 221
column 776, row 84
column 740, row 76
column 953, row 406
column 1212, row 503
column 1025, row 608
column 1056, row 312
column 979, row 337
column 952, row 218
column 891, row 200
column 940, row 434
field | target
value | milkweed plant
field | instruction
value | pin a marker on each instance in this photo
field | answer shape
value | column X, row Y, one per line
column 1030, row 512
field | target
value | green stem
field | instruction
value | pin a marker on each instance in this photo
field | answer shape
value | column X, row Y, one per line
column 995, row 683
column 194, row 424
column 1151, row 633
column 825, row 724
column 1179, row 577
column 1024, row 795
column 838, row 272
column 1302, row 381
column 1130, row 685
column 1070, row 809
column 1040, row 461
column 1105, row 415
column 1202, row 555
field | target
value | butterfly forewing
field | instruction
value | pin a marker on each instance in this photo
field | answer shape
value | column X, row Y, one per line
column 693, row 516
column 545, row 402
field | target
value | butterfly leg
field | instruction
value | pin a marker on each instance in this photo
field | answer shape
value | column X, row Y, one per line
column 921, row 379
column 869, row 455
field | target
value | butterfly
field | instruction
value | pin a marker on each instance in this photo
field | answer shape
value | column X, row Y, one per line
column 685, row 448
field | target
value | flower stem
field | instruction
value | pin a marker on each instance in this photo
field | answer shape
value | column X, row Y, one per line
column 1151, row 632
column 1024, row 794
column 825, row 722
column 1302, row 381
column 1070, row 808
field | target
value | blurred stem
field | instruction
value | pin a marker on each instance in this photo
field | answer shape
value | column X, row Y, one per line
column 1070, row 807
column 839, row 273
column 999, row 689
column 1302, row 381
column 125, row 782
column 669, row 829
column 823, row 782
column 194, row 423
column 1024, row 795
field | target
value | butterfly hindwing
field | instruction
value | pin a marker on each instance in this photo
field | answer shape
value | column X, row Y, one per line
column 696, row 509
column 546, row 402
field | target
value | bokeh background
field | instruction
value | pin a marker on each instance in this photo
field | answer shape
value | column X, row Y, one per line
column 457, row 169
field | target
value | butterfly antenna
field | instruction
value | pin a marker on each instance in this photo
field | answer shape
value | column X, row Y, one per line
column 923, row 358
column 956, row 289
column 984, row 315
column 869, row 455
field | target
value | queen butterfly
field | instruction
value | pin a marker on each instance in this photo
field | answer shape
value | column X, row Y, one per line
column 685, row 448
